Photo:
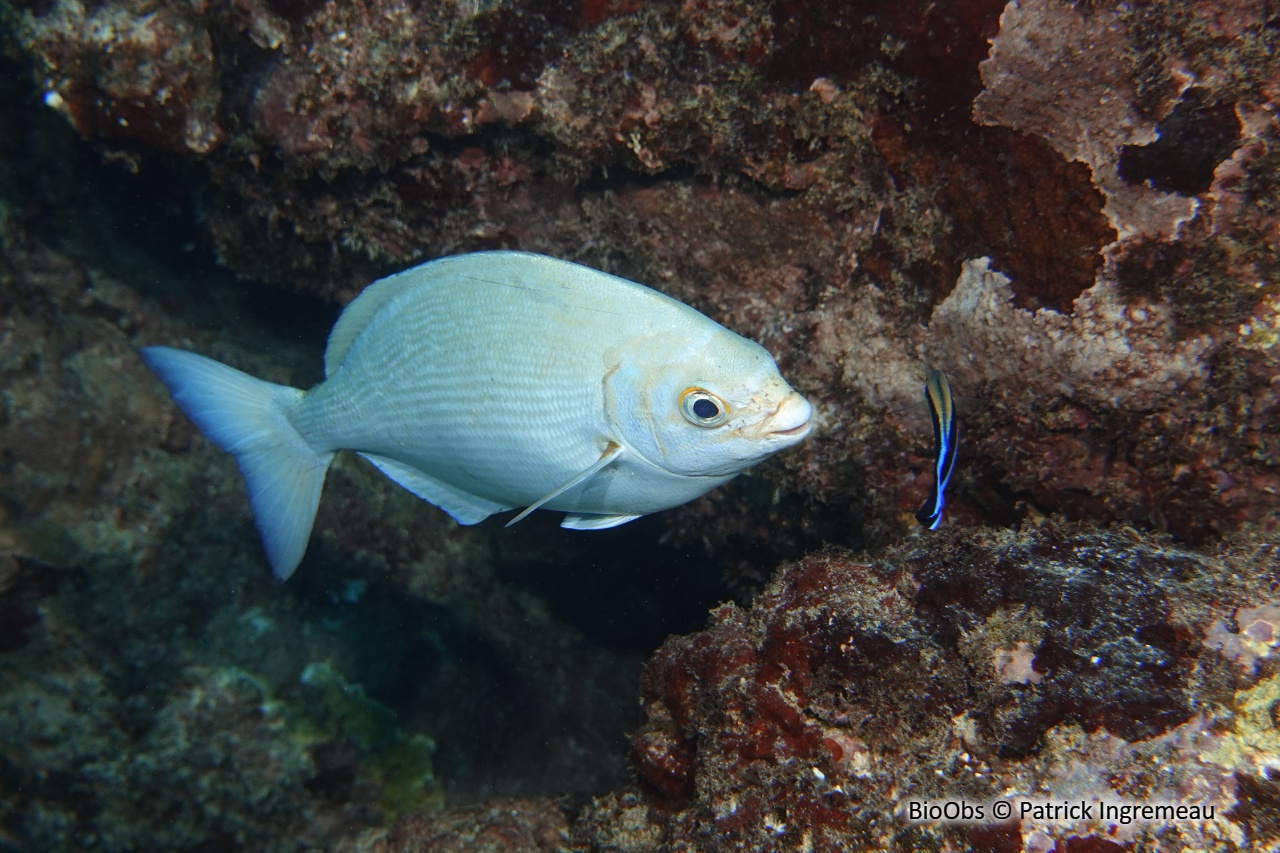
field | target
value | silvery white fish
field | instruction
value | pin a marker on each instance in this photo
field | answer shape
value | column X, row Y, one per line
column 497, row 380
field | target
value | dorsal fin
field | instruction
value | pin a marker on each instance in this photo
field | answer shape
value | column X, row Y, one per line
column 358, row 314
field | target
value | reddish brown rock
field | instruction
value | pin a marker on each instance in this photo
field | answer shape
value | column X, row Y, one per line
column 1057, row 664
column 127, row 72
column 1115, row 164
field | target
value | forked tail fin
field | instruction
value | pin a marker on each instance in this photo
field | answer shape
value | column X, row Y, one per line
column 249, row 418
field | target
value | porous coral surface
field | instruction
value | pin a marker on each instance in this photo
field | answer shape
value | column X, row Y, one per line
column 1069, row 207
column 1056, row 665
column 1115, row 163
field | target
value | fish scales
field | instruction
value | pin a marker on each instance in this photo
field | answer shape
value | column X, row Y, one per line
column 442, row 375
column 498, row 380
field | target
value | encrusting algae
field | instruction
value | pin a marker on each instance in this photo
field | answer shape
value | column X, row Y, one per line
column 1068, row 208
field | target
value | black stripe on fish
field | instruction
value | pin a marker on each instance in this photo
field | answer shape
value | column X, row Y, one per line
column 946, row 438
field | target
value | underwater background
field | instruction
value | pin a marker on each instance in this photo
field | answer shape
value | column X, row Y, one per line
column 1070, row 208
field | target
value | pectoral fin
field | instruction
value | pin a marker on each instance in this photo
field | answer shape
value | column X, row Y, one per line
column 611, row 452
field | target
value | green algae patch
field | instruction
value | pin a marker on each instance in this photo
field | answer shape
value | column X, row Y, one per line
column 333, row 709
column 1253, row 741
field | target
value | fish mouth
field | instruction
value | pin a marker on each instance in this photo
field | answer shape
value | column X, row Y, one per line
column 800, row 430
column 792, row 421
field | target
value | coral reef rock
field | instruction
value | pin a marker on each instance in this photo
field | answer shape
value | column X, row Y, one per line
column 1056, row 665
column 1114, row 163
column 1072, row 207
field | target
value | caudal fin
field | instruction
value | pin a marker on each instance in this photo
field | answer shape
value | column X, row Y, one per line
column 248, row 418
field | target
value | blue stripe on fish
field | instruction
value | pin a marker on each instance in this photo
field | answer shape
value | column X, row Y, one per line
column 946, row 438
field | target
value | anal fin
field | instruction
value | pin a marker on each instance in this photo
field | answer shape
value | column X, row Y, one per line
column 465, row 508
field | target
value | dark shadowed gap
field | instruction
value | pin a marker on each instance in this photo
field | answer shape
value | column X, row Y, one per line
column 1191, row 142
column 623, row 588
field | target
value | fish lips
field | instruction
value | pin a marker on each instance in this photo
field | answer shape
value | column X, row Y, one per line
column 791, row 423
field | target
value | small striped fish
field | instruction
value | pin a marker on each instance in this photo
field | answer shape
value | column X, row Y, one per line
column 946, row 436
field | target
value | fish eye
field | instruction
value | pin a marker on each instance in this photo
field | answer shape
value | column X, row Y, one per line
column 702, row 408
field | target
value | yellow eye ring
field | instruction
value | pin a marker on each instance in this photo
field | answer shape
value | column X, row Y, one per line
column 702, row 408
